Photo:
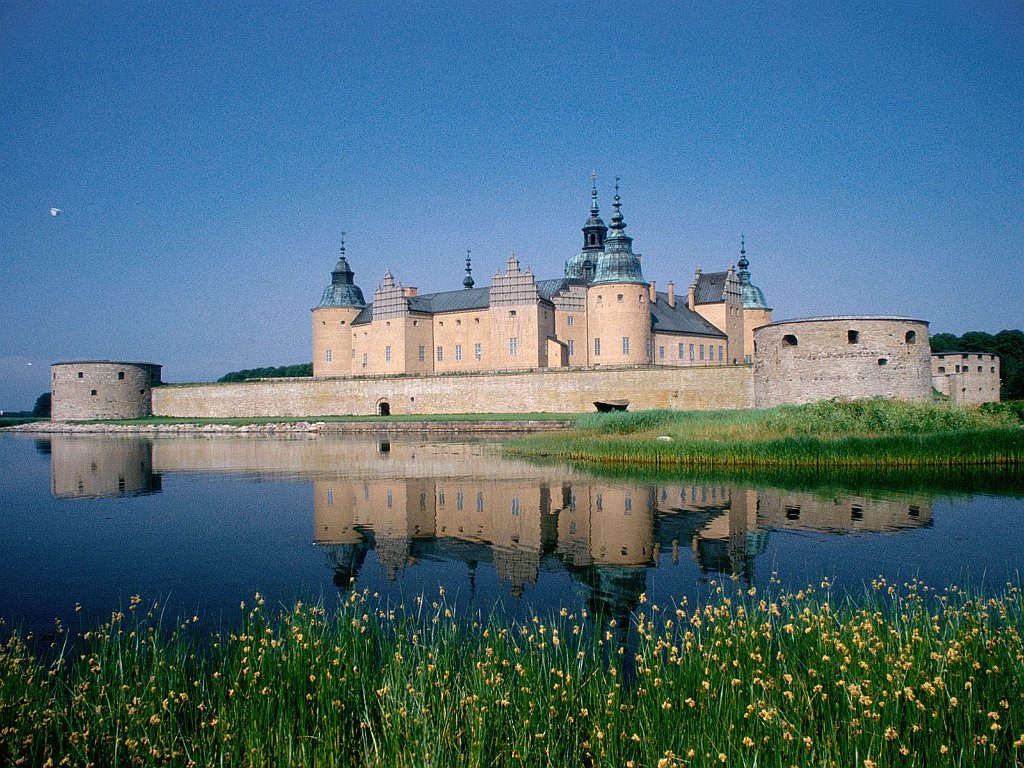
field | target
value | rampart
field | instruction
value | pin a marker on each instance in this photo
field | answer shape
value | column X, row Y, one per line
column 551, row 391
column 800, row 361
column 102, row 389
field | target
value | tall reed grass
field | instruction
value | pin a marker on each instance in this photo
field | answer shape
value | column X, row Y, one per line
column 901, row 676
column 825, row 435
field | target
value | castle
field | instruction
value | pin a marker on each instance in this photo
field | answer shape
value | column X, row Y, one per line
column 600, row 332
column 602, row 312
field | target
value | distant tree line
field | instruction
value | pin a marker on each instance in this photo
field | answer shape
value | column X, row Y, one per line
column 1009, row 345
column 280, row 372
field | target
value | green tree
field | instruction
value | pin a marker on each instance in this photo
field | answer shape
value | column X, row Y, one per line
column 43, row 405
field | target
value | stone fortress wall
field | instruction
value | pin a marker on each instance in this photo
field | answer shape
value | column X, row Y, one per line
column 102, row 389
column 801, row 361
column 551, row 391
column 966, row 378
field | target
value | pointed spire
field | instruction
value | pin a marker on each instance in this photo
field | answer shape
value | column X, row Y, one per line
column 467, row 281
column 593, row 194
column 618, row 223
column 743, row 273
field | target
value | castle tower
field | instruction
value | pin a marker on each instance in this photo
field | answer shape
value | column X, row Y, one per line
column 341, row 303
column 755, row 309
column 619, row 315
column 582, row 265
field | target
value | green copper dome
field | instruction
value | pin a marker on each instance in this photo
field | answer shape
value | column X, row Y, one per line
column 752, row 296
column 618, row 263
column 342, row 292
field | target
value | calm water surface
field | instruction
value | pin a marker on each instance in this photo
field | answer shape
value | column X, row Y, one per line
column 201, row 523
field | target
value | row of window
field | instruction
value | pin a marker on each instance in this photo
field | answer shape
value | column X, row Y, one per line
column 967, row 369
column 852, row 337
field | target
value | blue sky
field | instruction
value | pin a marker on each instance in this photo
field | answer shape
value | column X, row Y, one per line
column 207, row 156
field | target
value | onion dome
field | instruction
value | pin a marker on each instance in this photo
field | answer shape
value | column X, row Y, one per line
column 582, row 265
column 752, row 296
column 618, row 263
column 342, row 292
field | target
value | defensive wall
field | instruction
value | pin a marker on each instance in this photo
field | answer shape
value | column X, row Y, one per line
column 102, row 389
column 966, row 378
column 801, row 361
column 551, row 391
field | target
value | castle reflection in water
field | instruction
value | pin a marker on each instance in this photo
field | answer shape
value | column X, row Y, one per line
column 408, row 499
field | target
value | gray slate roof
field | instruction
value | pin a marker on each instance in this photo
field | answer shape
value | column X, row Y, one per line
column 680, row 319
column 710, row 288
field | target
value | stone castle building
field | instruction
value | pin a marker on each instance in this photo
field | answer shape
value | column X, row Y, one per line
column 601, row 312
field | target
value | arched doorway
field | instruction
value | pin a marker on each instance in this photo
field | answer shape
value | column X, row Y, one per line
column 383, row 408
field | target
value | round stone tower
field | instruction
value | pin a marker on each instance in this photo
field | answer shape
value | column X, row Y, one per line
column 341, row 303
column 817, row 358
column 619, row 316
column 102, row 389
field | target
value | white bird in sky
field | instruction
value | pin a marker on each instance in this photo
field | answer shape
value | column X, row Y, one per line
column 55, row 211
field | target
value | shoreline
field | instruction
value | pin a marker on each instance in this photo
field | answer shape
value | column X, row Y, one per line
column 442, row 426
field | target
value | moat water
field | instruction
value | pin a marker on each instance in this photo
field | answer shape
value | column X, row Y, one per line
column 201, row 523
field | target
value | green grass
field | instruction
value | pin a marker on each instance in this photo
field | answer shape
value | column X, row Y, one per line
column 257, row 420
column 827, row 435
column 10, row 421
column 899, row 676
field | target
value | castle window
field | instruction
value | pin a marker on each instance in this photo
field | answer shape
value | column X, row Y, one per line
column 911, row 337
column 477, row 351
column 597, row 347
column 423, row 354
column 942, row 369
column 476, row 320
column 366, row 359
column 599, row 298
column 120, row 375
column 328, row 356
column 458, row 352
column 513, row 345
column 979, row 369
column 517, row 507
column 441, row 323
column 387, row 354
column 479, row 501
column 792, row 513
column 914, row 511
column 856, row 513
column 569, row 320
column 440, row 354
column 625, row 345
column 415, row 323
column 388, row 324
column 330, row 497
column 789, row 340
column 691, row 353
column 511, row 313
column 570, row 344
column 341, row 322
column 882, row 361
column 993, row 369
column 93, row 393
column 619, row 298
column 721, row 353
column 853, row 337
column 458, row 322
column 80, row 374
column 701, row 351
column 661, row 353
column 958, row 369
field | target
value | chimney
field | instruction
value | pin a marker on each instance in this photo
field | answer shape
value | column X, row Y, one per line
column 654, row 293
column 671, row 294
column 409, row 292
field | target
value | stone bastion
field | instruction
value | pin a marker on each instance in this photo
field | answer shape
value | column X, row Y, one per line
column 102, row 389
column 818, row 358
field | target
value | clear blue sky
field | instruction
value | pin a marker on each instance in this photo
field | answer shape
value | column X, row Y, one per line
column 207, row 157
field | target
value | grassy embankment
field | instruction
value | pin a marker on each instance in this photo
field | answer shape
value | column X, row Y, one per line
column 900, row 677
column 258, row 420
column 830, row 434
